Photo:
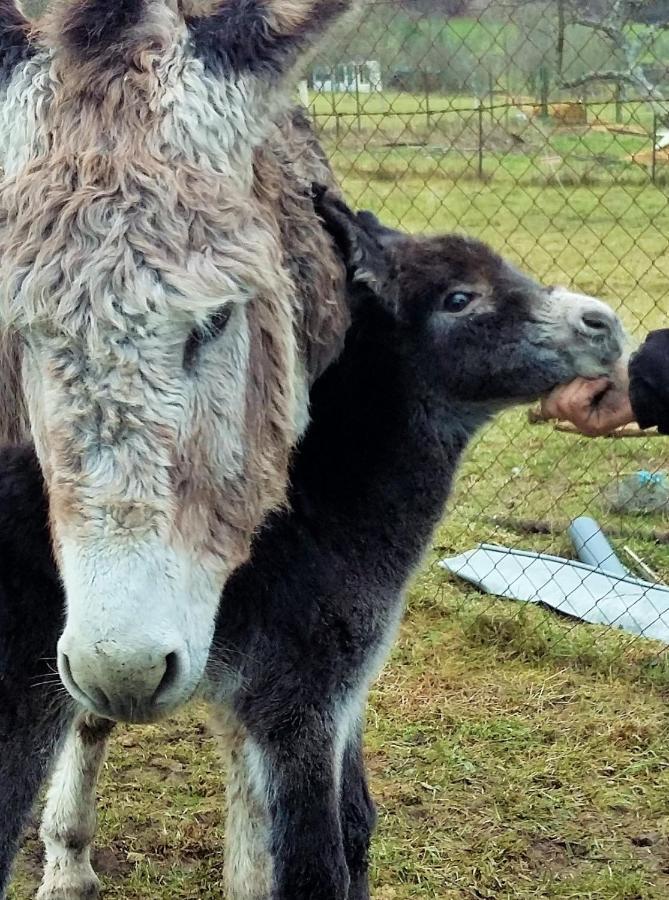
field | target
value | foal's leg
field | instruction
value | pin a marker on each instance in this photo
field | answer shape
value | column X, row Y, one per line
column 284, row 833
column 358, row 817
column 68, row 824
column 26, row 750
column 307, row 839
column 33, row 718
column 301, row 763
column 248, row 864
column 34, row 710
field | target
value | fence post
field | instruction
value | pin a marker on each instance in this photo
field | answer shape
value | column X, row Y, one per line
column 480, row 139
column 357, row 97
column 426, row 88
column 619, row 105
column 491, row 92
column 653, row 167
column 544, row 75
column 586, row 102
column 335, row 111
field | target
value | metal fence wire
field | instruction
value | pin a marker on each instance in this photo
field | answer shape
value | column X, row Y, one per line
column 542, row 127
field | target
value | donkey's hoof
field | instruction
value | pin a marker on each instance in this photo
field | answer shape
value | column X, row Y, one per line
column 69, row 886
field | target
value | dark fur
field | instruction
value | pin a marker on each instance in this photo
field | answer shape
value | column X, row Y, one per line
column 32, row 701
column 239, row 38
column 284, row 169
column 15, row 47
column 301, row 625
column 96, row 29
column 234, row 39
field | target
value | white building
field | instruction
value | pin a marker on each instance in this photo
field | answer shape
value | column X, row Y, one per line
column 349, row 78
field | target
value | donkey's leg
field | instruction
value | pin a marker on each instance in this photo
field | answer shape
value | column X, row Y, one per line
column 358, row 817
column 68, row 824
column 248, row 864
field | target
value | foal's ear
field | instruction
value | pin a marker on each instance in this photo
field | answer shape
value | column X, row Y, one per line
column 363, row 243
column 385, row 236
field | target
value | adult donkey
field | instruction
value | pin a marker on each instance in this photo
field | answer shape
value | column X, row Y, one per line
column 445, row 334
column 158, row 343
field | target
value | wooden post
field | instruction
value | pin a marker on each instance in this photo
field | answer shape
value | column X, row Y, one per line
column 559, row 61
column 491, row 91
column 619, row 105
column 335, row 111
column 357, row 97
column 586, row 100
column 480, row 142
column 544, row 76
column 653, row 167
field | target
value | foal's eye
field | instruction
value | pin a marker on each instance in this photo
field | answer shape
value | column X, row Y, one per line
column 457, row 301
column 208, row 332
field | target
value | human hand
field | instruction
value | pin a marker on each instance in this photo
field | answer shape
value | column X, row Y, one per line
column 595, row 406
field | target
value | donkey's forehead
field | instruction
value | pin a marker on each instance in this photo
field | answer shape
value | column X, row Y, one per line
column 74, row 26
column 468, row 252
column 443, row 260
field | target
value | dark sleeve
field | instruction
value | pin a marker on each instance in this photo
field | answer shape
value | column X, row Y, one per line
column 649, row 382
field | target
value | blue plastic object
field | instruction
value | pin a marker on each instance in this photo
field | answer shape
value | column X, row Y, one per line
column 639, row 493
column 592, row 547
column 646, row 477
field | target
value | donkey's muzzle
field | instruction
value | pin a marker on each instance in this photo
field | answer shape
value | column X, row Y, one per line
column 594, row 334
column 112, row 682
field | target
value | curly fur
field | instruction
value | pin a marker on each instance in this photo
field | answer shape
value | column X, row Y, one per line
column 147, row 190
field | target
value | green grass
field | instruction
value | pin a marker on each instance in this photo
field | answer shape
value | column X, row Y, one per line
column 513, row 754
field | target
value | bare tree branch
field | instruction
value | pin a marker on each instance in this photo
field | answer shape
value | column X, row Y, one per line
column 614, row 26
column 609, row 75
column 613, row 32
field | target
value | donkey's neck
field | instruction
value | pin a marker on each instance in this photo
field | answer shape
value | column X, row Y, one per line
column 381, row 449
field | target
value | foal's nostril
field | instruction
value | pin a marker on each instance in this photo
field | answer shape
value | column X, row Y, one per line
column 173, row 669
column 596, row 321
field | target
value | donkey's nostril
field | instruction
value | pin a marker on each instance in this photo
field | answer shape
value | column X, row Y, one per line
column 594, row 320
column 115, row 683
column 66, row 667
column 173, row 669
column 93, row 694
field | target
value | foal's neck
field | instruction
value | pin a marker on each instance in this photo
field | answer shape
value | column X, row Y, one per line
column 382, row 446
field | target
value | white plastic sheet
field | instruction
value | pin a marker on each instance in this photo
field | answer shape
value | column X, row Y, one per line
column 568, row 586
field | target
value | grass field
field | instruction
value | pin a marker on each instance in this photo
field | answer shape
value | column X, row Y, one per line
column 513, row 754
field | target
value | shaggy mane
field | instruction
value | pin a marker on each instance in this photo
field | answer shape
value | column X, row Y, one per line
column 14, row 427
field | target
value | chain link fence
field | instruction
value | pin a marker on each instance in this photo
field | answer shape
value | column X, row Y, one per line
column 513, row 753
column 542, row 127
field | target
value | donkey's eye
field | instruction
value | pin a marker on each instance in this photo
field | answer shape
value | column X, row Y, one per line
column 198, row 337
column 456, row 301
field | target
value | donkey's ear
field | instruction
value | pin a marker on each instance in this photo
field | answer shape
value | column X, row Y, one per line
column 265, row 38
column 98, row 30
column 362, row 241
column 15, row 46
